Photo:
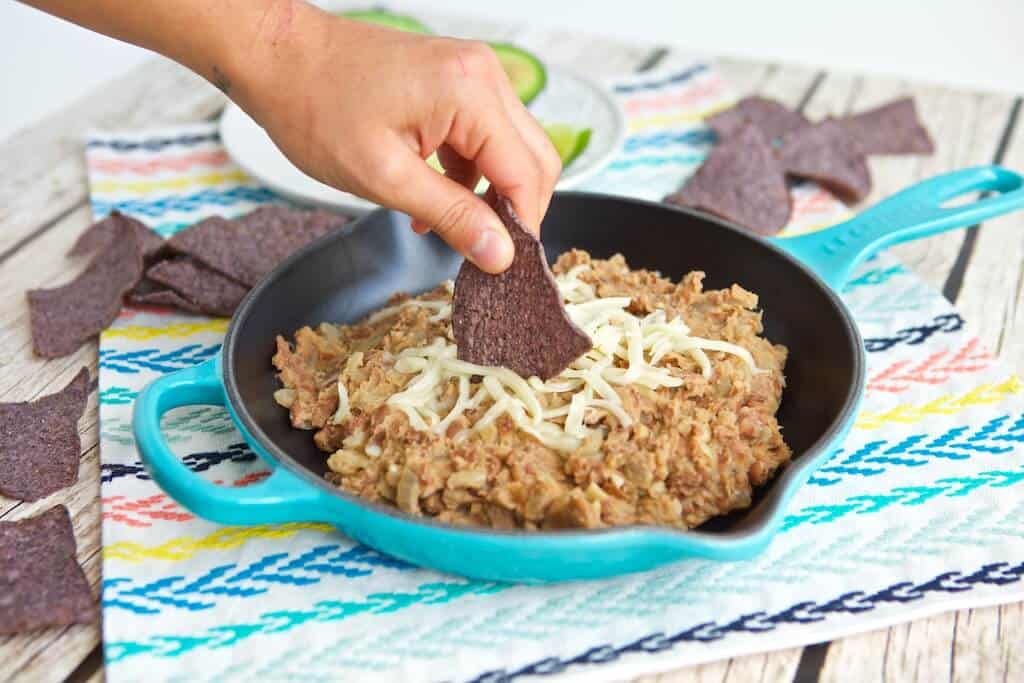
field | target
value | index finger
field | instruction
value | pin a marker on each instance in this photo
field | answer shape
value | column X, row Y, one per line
column 503, row 157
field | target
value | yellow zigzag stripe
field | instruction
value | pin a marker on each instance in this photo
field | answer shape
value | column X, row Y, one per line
column 143, row 332
column 180, row 183
column 659, row 120
column 793, row 232
column 224, row 539
column 943, row 405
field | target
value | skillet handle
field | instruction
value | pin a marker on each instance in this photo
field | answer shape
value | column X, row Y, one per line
column 913, row 213
column 282, row 497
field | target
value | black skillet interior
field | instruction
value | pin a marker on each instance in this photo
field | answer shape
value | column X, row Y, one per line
column 347, row 275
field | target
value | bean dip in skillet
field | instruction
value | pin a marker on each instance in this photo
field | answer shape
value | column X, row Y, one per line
column 668, row 420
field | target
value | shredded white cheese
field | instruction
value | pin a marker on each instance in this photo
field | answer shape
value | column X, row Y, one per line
column 641, row 343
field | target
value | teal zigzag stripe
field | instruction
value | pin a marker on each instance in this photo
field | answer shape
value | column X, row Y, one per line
column 117, row 396
column 874, row 276
column 326, row 611
column 179, row 427
column 887, row 306
column 907, row 496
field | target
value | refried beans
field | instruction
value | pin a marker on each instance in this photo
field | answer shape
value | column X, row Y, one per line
column 670, row 420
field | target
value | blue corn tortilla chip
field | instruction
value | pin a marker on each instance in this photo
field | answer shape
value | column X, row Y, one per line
column 516, row 319
column 39, row 442
column 101, row 235
column 200, row 287
column 41, row 582
column 892, row 128
column 64, row 318
column 247, row 248
column 742, row 182
column 826, row 154
column 154, row 295
column 772, row 118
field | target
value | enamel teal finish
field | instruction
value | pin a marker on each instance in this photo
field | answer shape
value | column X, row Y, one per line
column 282, row 497
column 291, row 494
column 907, row 215
column 288, row 496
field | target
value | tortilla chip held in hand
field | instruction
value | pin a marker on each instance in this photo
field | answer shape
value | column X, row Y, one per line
column 516, row 319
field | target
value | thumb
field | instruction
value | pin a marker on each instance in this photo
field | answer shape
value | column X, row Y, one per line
column 454, row 213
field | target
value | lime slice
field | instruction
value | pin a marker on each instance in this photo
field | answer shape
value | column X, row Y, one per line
column 569, row 142
column 526, row 72
column 381, row 18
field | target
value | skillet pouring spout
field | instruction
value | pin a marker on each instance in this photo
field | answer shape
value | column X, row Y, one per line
column 918, row 211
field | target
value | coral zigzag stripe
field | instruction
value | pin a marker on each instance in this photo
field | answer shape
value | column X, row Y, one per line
column 685, row 98
column 937, row 368
column 137, row 513
column 217, row 157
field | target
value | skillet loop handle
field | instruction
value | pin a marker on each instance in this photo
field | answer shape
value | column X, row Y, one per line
column 913, row 213
column 282, row 497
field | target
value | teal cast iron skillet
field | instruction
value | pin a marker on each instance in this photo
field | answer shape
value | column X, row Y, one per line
column 347, row 275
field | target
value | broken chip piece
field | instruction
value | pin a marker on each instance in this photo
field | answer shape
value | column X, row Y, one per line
column 742, row 182
column 893, row 128
column 163, row 297
column 41, row 582
column 65, row 317
column 772, row 118
column 39, row 442
column 101, row 235
column 203, row 288
column 515, row 319
column 247, row 248
column 826, row 154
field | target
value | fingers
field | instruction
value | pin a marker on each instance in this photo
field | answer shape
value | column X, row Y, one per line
column 540, row 146
column 458, row 216
column 459, row 170
column 483, row 133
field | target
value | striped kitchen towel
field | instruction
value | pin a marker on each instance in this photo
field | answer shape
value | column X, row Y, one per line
column 920, row 512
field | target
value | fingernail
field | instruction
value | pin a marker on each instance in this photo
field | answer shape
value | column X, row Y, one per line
column 492, row 251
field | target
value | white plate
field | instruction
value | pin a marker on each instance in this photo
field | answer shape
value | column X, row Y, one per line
column 567, row 98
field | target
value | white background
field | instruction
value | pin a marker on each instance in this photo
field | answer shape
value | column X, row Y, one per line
column 45, row 64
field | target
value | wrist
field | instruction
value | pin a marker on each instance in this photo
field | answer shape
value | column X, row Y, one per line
column 273, row 48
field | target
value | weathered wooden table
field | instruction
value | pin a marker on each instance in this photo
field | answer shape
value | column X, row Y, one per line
column 43, row 207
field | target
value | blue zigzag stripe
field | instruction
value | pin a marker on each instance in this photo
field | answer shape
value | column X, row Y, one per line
column 700, row 137
column 958, row 443
column 197, row 462
column 154, row 144
column 157, row 207
column 914, row 336
column 682, row 159
column 202, row 592
column 674, row 79
column 156, row 360
column 947, row 487
column 801, row 613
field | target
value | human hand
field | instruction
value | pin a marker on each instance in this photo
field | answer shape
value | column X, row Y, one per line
column 361, row 107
